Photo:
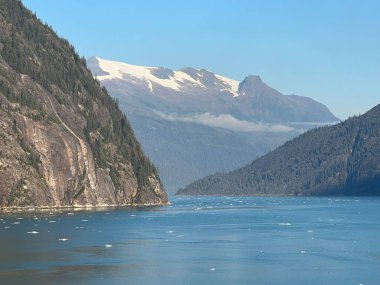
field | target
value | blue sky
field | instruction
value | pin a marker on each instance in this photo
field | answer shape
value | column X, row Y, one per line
column 325, row 49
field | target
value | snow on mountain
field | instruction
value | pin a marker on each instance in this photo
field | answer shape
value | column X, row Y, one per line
column 192, row 122
column 175, row 80
column 233, row 85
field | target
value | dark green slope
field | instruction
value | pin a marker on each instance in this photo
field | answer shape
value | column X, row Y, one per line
column 343, row 159
column 64, row 139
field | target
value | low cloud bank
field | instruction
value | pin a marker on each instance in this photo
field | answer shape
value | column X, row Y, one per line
column 225, row 121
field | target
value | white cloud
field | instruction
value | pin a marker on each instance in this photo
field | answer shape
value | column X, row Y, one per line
column 225, row 121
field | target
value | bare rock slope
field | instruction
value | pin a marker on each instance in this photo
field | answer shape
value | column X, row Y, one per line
column 64, row 141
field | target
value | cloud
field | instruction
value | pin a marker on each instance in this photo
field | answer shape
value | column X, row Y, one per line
column 225, row 121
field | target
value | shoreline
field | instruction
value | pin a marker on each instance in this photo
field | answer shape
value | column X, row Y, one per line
column 30, row 209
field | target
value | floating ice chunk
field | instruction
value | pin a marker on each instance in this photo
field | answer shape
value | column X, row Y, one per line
column 70, row 213
column 19, row 218
column 16, row 223
column 170, row 232
column 7, row 227
column 212, row 269
column 84, row 220
column 52, row 222
column 63, row 239
column 133, row 215
column 310, row 231
column 108, row 245
column 302, row 251
column 33, row 232
column 35, row 218
column 284, row 224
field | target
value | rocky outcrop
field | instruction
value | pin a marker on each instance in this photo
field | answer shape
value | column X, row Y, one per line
column 62, row 146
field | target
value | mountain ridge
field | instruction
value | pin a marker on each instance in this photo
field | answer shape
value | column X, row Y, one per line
column 65, row 142
column 342, row 159
column 204, row 108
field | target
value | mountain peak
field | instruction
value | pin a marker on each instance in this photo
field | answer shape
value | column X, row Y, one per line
column 252, row 80
column 152, row 77
column 251, row 84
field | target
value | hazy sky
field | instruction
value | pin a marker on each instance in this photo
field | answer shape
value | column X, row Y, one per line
column 328, row 50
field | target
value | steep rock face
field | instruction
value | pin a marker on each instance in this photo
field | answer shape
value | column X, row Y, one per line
column 64, row 142
column 343, row 159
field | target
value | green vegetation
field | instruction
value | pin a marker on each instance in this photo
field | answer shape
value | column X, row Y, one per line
column 343, row 159
column 81, row 190
column 19, row 195
column 115, row 177
column 33, row 49
column 33, row 157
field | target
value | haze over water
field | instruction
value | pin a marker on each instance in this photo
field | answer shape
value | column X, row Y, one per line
column 208, row 240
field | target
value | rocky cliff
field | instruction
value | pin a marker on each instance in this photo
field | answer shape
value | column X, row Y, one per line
column 63, row 139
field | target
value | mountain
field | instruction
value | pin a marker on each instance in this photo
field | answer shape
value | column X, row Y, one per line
column 343, row 159
column 64, row 141
column 192, row 122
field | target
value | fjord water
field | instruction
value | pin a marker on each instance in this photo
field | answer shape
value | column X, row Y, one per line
column 208, row 240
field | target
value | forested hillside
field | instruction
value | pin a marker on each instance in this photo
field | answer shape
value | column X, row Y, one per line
column 63, row 137
column 343, row 159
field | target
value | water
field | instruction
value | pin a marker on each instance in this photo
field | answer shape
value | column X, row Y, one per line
column 198, row 241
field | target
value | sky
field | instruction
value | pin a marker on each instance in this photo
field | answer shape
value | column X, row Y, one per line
column 328, row 50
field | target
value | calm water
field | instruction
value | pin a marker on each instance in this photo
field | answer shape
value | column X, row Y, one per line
column 198, row 241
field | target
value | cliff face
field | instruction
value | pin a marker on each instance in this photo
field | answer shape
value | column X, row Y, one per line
column 343, row 159
column 64, row 141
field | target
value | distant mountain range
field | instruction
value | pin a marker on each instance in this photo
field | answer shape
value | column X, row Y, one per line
column 192, row 122
column 343, row 159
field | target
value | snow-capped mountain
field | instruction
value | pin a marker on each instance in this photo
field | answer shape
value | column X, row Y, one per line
column 192, row 122
column 153, row 77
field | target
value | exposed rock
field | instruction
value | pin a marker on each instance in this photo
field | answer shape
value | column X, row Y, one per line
column 64, row 142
